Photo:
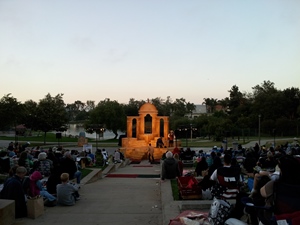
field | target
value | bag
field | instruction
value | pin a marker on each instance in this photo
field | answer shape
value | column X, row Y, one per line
column 35, row 207
column 219, row 211
column 190, row 217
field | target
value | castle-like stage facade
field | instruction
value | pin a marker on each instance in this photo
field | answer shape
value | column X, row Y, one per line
column 143, row 130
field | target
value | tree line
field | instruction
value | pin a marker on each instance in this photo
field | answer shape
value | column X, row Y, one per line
column 275, row 111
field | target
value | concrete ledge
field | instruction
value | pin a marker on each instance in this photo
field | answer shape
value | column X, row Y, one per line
column 7, row 212
column 110, row 168
column 93, row 176
column 200, row 205
column 125, row 163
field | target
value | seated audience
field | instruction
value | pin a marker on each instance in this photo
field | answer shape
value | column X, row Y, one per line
column 43, row 165
column 67, row 194
column 201, row 166
column 36, row 188
column 170, row 168
column 282, row 195
column 24, row 161
column 13, row 189
column 267, row 166
column 216, row 163
column 228, row 179
column 54, row 180
column 68, row 165
column 180, row 164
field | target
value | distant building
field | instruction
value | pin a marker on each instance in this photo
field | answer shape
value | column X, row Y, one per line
column 200, row 110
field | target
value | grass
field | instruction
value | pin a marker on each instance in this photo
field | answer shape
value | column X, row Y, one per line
column 51, row 140
column 209, row 143
column 175, row 190
column 85, row 172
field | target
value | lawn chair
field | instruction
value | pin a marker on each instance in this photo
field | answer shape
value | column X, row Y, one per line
column 285, row 205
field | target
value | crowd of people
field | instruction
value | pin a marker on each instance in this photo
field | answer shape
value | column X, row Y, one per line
column 225, row 174
column 53, row 174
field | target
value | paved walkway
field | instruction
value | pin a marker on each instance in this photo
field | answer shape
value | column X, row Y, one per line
column 125, row 198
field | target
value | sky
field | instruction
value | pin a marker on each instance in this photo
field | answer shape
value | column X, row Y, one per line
column 123, row 49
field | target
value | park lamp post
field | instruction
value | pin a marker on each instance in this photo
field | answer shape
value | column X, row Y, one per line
column 186, row 139
column 185, row 129
column 192, row 129
column 259, row 116
column 102, row 129
column 274, row 132
column 97, row 128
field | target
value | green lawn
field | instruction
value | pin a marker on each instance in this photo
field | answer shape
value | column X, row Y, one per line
column 175, row 190
column 85, row 172
column 38, row 139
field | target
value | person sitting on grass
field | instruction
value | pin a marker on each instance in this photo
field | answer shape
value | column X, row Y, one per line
column 67, row 194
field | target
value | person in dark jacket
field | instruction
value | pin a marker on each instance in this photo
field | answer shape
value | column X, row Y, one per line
column 216, row 164
column 54, row 179
column 68, row 165
column 170, row 168
column 13, row 189
column 201, row 166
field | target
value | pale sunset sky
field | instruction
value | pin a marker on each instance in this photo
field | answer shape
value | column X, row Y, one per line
column 122, row 49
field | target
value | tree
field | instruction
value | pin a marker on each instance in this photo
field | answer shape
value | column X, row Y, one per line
column 291, row 101
column 224, row 103
column 169, row 108
column 51, row 114
column 235, row 97
column 190, row 107
column 10, row 111
column 159, row 104
column 89, row 105
column 110, row 114
column 30, row 114
column 132, row 108
column 210, row 104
